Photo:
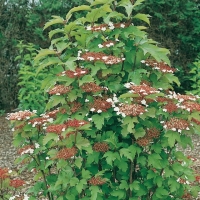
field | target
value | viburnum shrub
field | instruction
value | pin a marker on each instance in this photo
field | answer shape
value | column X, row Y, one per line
column 113, row 122
column 10, row 185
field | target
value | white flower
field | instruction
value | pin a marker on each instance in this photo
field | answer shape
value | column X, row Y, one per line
column 92, row 109
column 99, row 111
column 165, row 110
column 123, row 115
column 100, row 46
column 179, row 130
column 103, row 28
column 34, row 111
column 47, row 158
column 127, row 85
column 117, row 40
column 58, row 94
column 109, row 100
column 89, row 28
column 63, row 129
column 37, row 145
column 142, row 61
column 144, row 102
column 110, row 24
column 89, row 119
column 26, row 197
column 116, row 109
column 187, row 128
column 50, row 120
column 165, row 126
column 13, row 129
column 10, row 171
column 86, row 100
column 122, row 25
column 173, row 129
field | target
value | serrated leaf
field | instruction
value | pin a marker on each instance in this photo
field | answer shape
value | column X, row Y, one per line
column 50, row 136
column 94, row 192
column 173, row 137
column 70, row 64
column 55, row 20
column 143, row 17
column 97, row 2
column 81, row 141
column 98, row 121
column 160, row 54
column 86, row 79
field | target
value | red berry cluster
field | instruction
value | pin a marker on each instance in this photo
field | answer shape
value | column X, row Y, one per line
column 21, row 115
column 143, row 141
column 74, row 106
column 143, row 89
column 161, row 66
column 96, row 181
column 100, row 105
column 56, row 128
column 91, row 87
column 17, row 183
column 53, row 113
column 26, row 149
column 60, row 89
column 182, row 97
column 108, row 43
column 74, row 74
column 66, row 153
column 101, row 147
column 153, row 133
column 3, row 173
column 132, row 110
column 178, row 124
column 163, row 99
column 76, row 123
column 98, row 56
column 170, row 107
column 190, row 106
column 38, row 120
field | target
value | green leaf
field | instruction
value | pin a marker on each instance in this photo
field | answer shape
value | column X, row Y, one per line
column 70, row 64
column 174, row 185
column 139, row 132
column 171, row 78
column 47, row 62
column 120, row 194
column 94, row 192
column 75, row 9
column 143, row 17
column 161, row 193
column 86, row 79
column 97, row 2
column 128, row 6
column 127, row 153
column 135, row 185
column 137, row 3
column 43, row 53
column 173, row 137
column 98, row 121
column 55, row 20
column 50, row 136
column 86, row 174
column 160, row 54
column 73, row 181
column 154, row 159
column 53, row 32
column 81, row 141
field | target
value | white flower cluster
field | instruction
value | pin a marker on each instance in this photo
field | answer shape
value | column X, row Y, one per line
column 17, row 196
column 115, row 101
column 30, row 150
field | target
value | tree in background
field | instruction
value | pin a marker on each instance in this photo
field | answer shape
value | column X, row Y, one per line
column 22, row 20
column 176, row 25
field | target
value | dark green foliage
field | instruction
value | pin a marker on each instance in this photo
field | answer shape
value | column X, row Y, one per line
column 176, row 25
column 22, row 20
